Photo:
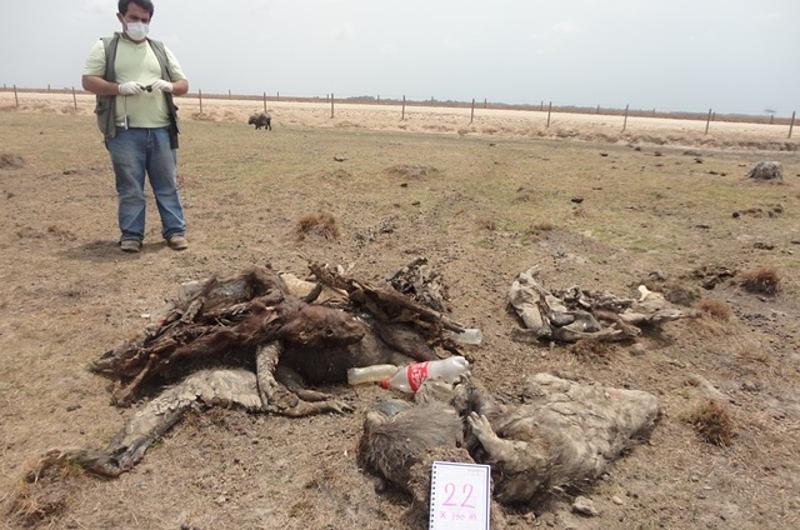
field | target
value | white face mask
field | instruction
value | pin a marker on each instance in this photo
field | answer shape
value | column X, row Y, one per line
column 137, row 30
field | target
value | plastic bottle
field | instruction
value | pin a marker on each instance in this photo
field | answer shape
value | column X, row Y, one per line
column 410, row 378
column 469, row 336
column 370, row 374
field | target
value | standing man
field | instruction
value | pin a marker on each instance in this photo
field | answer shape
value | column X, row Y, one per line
column 135, row 79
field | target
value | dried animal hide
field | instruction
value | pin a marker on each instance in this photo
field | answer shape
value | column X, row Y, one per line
column 226, row 388
column 566, row 433
column 402, row 440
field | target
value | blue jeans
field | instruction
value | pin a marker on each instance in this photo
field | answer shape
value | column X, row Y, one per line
column 133, row 152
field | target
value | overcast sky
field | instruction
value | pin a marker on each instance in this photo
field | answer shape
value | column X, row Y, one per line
column 733, row 55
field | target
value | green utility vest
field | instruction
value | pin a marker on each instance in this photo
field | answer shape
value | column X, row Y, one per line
column 106, row 104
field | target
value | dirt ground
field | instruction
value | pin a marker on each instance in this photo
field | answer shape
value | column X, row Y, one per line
column 495, row 205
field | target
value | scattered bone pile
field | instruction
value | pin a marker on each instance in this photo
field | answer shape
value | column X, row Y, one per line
column 575, row 314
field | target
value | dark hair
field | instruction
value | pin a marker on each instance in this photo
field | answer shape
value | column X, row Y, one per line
column 144, row 4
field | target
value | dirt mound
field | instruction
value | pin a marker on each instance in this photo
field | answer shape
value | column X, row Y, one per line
column 413, row 171
column 10, row 161
column 319, row 224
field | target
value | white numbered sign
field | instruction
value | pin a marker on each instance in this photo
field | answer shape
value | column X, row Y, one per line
column 460, row 495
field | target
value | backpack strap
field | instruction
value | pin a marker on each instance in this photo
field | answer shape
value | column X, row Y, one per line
column 110, row 44
column 106, row 104
column 163, row 59
column 160, row 52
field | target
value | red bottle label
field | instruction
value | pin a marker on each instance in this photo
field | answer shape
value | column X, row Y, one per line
column 416, row 374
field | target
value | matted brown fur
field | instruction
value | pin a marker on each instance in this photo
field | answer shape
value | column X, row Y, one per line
column 714, row 308
column 319, row 224
column 713, row 423
column 763, row 280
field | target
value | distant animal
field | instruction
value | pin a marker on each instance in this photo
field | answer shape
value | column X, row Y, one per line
column 260, row 120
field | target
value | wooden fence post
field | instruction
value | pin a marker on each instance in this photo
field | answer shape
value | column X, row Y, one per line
column 708, row 120
column 229, row 93
column 331, row 105
column 485, row 103
column 16, row 97
column 549, row 108
column 403, row 116
column 74, row 99
column 265, row 102
column 598, row 110
column 541, row 106
column 472, row 114
column 625, row 122
column 48, row 88
column 200, row 93
column 279, row 96
column 791, row 124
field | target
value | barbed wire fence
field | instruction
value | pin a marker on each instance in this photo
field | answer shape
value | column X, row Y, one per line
column 402, row 101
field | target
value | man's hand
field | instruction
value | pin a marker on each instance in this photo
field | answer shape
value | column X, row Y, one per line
column 131, row 88
column 163, row 86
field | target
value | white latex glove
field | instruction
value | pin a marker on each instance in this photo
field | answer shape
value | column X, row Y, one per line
column 130, row 88
column 164, row 86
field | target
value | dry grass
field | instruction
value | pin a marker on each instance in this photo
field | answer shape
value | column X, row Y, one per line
column 319, row 224
column 539, row 229
column 713, row 423
column 714, row 308
column 412, row 171
column 192, row 468
column 764, row 280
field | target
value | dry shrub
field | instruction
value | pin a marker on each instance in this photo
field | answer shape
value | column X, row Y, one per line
column 714, row 308
column 589, row 348
column 319, row 224
column 713, row 423
column 487, row 224
column 412, row 171
column 43, row 495
column 764, row 280
column 203, row 116
column 539, row 229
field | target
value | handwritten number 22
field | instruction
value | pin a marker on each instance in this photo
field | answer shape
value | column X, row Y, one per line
column 450, row 491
